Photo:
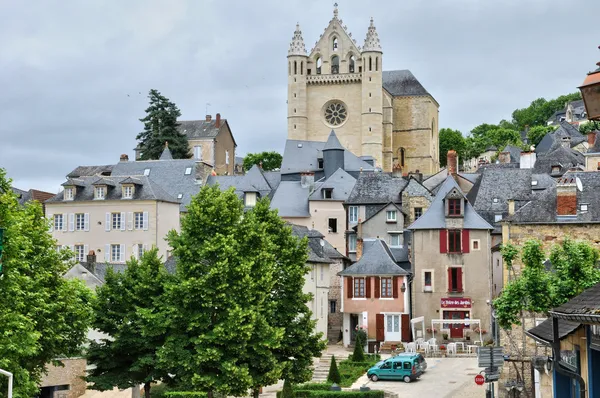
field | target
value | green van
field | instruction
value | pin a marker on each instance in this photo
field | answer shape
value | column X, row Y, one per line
column 401, row 367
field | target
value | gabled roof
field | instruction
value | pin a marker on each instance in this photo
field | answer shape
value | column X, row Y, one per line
column 385, row 206
column 402, row 83
column 566, row 158
column 83, row 171
column 333, row 142
column 255, row 180
column 166, row 154
column 544, row 333
column 291, row 199
column 435, row 216
column 515, row 153
column 377, row 259
column 319, row 250
column 584, row 308
column 341, row 184
column 377, row 188
column 553, row 139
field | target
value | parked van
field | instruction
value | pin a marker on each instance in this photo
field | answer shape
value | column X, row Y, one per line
column 421, row 360
column 401, row 367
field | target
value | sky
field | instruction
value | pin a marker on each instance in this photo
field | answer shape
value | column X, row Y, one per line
column 74, row 75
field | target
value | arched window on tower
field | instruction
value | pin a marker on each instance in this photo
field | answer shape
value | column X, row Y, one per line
column 319, row 62
column 370, row 64
column 335, row 44
column 351, row 64
column 401, row 157
column 295, row 68
column 335, row 65
column 301, row 67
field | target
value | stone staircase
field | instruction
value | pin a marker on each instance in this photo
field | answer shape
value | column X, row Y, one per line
column 321, row 368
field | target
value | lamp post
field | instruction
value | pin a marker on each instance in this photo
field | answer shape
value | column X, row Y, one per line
column 590, row 92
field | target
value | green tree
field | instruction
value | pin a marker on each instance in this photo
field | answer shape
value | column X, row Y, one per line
column 540, row 110
column 128, row 311
column 536, row 133
column 451, row 139
column 589, row 127
column 42, row 315
column 160, row 126
column 218, row 304
column 269, row 160
column 287, row 391
column 334, row 374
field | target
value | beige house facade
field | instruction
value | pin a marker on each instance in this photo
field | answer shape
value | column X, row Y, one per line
column 387, row 115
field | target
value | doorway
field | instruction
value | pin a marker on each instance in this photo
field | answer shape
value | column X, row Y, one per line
column 353, row 325
column 456, row 329
column 392, row 327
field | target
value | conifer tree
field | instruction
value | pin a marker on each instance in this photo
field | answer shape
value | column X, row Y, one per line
column 160, row 126
column 334, row 374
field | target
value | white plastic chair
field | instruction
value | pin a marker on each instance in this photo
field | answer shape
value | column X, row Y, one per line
column 411, row 347
column 451, row 348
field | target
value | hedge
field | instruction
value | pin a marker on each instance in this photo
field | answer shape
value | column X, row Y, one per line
column 188, row 394
column 313, row 386
column 335, row 394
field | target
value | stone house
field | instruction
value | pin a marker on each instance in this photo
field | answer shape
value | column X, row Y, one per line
column 375, row 295
column 451, row 261
column 386, row 115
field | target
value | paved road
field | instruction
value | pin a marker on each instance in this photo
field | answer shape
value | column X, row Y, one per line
column 445, row 378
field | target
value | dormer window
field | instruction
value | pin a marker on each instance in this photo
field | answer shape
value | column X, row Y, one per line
column 250, row 199
column 99, row 192
column 555, row 169
column 188, row 171
column 327, row 193
column 69, row 193
column 179, row 196
column 127, row 191
column 584, row 207
column 534, row 183
column 146, row 172
column 454, row 209
column 320, row 163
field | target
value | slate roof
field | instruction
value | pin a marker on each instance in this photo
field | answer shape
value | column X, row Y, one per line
column 377, row 259
column 544, row 333
column 434, row 181
column 255, row 180
column 402, row 83
column 515, row 153
column 199, row 128
column 566, row 158
column 291, row 199
column 553, row 139
column 385, row 206
column 166, row 154
column 375, row 188
column 584, row 308
column 82, row 171
column 32, row 194
column 542, row 207
column 148, row 190
column 168, row 174
column 341, row 183
column 333, row 142
column 317, row 253
column 435, row 218
column 300, row 156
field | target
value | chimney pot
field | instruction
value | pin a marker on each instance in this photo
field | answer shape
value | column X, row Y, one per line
column 124, row 158
column 218, row 121
column 452, row 162
column 511, row 207
column 591, row 138
column 208, row 118
column 91, row 262
column 566, row 197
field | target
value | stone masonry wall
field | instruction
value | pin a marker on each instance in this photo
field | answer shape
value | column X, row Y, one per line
column 335, row 319
column 71, row 374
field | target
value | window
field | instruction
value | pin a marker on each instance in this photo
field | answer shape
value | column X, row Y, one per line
column 454, row 207
column 353, row 214
column 495, row 200
column 320, row 163
column 332, row 225
column 352, row 243
column 390, row 215
column 351, row 64
column 376, row 63
column 227, row 157
column 198, row 152
column 332, row 306
column 418, row 212
column 146, row 172
column 455, row 279
column 475, row 244
column 250, row 199
column 497, row 217
column 116, row 220
column 393, row 326
column 188, row 171
column 395, row 240
column 115, row 253
column 555, row 169
column 295, row 68
column 584, row 207
column 138, row 220
column 454, row 244
column 127, row 192
column 386, row 365
column 335, row 65
column 68, row 194
column 140, row 250
column 386, row 288
column 179, row 195
column 359, row 287
column 58, row 222
column 99, row 193
column 327, row 193
column 534, row 183
column 427, row 286
column 335, row 44
column 335, row 113
column 370, row 64
column 79, row 253
column 79, row 222
column 319, row 63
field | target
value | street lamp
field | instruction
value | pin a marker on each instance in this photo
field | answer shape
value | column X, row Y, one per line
column 590, row 91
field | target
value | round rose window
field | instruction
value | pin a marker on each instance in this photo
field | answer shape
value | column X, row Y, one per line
column 335, row 113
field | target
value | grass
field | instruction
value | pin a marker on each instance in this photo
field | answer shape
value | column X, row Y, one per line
column 350, row 371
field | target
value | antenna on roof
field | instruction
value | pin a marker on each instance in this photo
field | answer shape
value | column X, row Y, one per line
column 579, row 185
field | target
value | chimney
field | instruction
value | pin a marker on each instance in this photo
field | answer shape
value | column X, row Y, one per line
column 417, row 175
column 124, row 158
column 208, row 118
column 307, row 180
column 566, row 141
column 504, row 157
column 397, row 170
column 591, row 138
column 91, row 262
column 511, row 207
column 527, row 160
column 566, row 196
column 452, row 162
column 359, row 240
column 218, row 121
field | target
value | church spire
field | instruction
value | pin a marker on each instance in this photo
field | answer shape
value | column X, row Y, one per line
column 372, row 40
column 297, row 45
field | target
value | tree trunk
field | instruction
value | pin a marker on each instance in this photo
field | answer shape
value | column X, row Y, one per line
column 147, row 389
column 209, row 394
column 255, row 392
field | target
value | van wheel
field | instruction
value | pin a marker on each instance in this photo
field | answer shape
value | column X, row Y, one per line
column 374, row 378
column 407, row 379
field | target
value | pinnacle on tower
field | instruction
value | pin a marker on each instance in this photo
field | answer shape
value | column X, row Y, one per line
column 372, row 40
column 166, row 154
column 297, row 45
column 335, row 10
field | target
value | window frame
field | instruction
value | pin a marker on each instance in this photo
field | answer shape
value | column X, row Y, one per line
column 114, row 216
column 79, row 217
column 330, row 229
column 76, row 249
column 352, row 240
column 388, row 213
column 356, row 287
column 454, row 207
column 386, row 288
column 327, row 193
column 453, row 243
column 69, row 194
column 420, row 211
column 453, row 284
column 62, row 221
column 353, row 218
column 99, row 192
column 140, row 250
column 475, row 242
column 428, row 287
column 127, row 191
column 397, row 236
column 141, row 220
column 113, row 252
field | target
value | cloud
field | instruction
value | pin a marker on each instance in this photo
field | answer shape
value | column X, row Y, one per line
column 75, row 74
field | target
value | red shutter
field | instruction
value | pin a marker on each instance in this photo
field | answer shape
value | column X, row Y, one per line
column 377, row 286
column 349, row 286
column 466, row 242
column 368, row 287
column 449, row 279
column 443, row 241
column 459, row 281
column 405, row 328
column 379, row 327
column 395, row 287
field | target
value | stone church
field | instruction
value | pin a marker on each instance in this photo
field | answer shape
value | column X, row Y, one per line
column 386, row 115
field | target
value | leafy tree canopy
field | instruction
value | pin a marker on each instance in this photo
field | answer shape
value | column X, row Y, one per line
column 160, row 127
column 270, row 160
column 540, row 110
column 451, row 139
column 42, row 315
column 536, row 133
column 589, row 127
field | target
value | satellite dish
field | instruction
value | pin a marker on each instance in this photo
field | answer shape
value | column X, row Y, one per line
column 579, row 185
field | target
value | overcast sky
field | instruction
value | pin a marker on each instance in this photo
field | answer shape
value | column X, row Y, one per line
column 74, row 74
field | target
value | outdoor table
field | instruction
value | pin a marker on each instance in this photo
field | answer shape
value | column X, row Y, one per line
column 471, row 348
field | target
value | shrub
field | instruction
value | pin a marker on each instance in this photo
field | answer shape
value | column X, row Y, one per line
column 359, row 353
column 340, row 394
column 187, row 394
column 314, row 386
column 334, row 373
column 158, row 390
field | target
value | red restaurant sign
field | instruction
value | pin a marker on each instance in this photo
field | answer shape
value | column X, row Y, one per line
column 456, row 302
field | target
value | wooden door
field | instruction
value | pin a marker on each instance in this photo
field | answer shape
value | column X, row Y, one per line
column 380, row 327
column 405, row 325
column 456, row 329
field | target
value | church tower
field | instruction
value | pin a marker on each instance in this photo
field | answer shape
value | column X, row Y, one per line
column 297, row 100
column 372, row 96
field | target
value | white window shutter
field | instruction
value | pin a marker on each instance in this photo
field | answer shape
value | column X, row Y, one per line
column 135, row 252
column 51, row 218
column 146, row 221
column 107, row 253
column 86, row 250
column 122, row 221
column 130, row 220
column 122, row 254
column 86, row 222
column 71, row 222
column 65, row 220
column 107, row 222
